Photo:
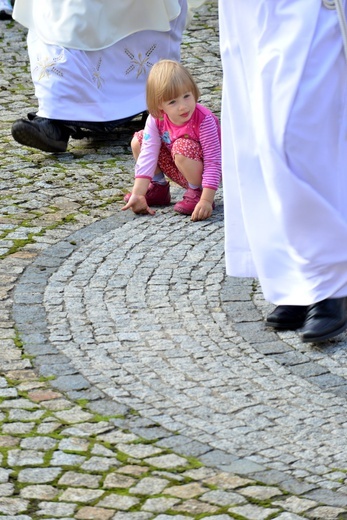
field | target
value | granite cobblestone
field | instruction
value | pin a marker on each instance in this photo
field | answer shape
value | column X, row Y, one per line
column 137, row 380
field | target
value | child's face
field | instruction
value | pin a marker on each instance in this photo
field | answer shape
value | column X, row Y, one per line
column 180, row 109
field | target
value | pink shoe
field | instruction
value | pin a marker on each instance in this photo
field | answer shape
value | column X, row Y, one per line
column 157, row 194
column 190, row 199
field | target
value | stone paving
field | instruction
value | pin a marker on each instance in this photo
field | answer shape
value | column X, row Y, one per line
column 138, row 382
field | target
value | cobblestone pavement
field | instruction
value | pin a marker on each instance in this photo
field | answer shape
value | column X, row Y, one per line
column 138, row 381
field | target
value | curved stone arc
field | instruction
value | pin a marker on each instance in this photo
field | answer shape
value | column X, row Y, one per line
column 139, row 308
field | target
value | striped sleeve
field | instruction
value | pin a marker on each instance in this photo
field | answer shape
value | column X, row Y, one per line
column 211, row 147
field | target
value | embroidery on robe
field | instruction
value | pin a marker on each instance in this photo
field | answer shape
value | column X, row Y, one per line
column 47, row 65
column 97, row 78
column 140, row 63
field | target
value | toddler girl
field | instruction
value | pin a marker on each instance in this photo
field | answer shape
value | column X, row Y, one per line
column 181, row 140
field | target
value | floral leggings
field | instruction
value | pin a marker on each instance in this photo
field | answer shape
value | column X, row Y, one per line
column 166, row 161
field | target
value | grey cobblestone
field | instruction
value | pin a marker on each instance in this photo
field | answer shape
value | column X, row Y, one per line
column 137, row 380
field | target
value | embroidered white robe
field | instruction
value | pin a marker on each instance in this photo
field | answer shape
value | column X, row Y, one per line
column 89, row 59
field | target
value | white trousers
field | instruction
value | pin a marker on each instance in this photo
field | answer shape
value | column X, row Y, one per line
column 102, row 85
column 284, row 147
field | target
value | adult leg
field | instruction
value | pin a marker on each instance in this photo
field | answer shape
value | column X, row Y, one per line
column 284, row 121
column 279, row 190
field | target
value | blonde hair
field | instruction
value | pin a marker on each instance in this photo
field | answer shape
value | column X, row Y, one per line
column 167, row 80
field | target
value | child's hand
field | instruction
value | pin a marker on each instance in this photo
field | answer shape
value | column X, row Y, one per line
column 202, row 211
column 138, row 204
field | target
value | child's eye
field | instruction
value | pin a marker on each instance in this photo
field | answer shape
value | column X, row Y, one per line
column 172, row 102
column 186, row 96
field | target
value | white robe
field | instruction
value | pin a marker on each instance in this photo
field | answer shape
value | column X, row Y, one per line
column 93, row 24
column 284, row 148
column 89, row 59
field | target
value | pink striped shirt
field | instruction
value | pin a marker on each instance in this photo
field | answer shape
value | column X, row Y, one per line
column 202, row 127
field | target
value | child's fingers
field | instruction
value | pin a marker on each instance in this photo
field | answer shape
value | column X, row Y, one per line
column 136, row 203
column 201, row 213
column 144, row 211
column 127, row 206
column 138, row 210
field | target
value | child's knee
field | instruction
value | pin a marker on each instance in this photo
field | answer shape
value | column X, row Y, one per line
column 179, row 160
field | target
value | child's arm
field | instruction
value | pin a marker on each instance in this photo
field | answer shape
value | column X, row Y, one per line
column 211, row 176
column 145, row 167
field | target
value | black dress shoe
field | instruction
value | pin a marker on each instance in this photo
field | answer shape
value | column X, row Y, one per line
column 287, row 317
column 41, row 133
column 5, row 15
column 325, row 320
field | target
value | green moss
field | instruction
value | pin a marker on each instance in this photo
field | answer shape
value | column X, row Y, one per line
column 108, row 202
column 43, row 379
column 17, row 341
column 69, row 218
column 235, row 516
column 27, row 356
column 82, row 402
column 134, row 412
column 122, row 457
column 194, row 463
column 18, row 243
column 101, row 418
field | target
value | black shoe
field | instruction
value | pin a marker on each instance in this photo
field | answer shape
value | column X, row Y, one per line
column 5, row 15
column 41, row 133
column 325, row 320
column 287, row 317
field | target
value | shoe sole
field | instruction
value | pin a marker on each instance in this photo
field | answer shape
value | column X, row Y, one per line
column 324, row 337
column 279, row 326
column 150, row 205
column 183, row 212
column 35, row 139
